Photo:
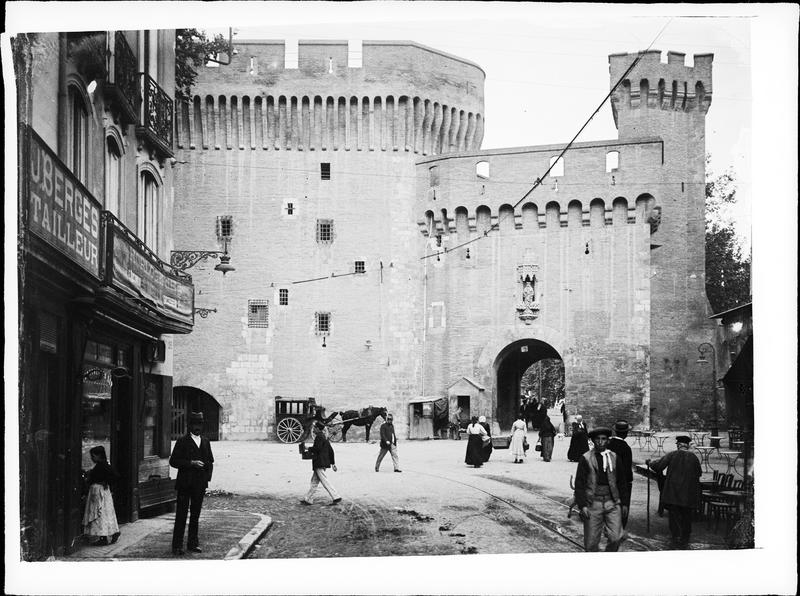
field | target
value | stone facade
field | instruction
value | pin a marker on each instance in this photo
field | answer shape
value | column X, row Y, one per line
column 599, row 266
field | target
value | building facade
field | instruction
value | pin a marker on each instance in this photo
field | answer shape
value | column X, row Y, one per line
column 384, row 259
column 98, row 302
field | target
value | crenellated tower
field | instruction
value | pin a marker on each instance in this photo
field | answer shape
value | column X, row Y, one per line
column 670, row 101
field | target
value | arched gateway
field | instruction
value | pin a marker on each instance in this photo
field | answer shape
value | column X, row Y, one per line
column 509, row 366
column 191, row 399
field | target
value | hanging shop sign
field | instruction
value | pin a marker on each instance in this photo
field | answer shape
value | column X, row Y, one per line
column 60, row 209
column 136, row 271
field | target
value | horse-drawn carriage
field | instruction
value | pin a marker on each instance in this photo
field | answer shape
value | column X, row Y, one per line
column 295, row 416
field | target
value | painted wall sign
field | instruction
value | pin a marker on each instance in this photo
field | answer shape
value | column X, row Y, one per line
column 60, row 209
column 137, row 272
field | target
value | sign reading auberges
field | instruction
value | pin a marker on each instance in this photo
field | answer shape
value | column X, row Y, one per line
column 60, row 209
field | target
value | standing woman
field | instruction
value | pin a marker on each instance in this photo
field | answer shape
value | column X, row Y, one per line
column 475, row 434
column 547, row 432
column 518, row 431
column 99, row 517
column 322, row 459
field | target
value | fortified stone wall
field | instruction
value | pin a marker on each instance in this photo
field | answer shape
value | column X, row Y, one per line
column 255, row 154
column 585, row 235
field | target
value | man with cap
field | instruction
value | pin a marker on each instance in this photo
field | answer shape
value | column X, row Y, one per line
column 618, row 445
column 681, row 489
column 195, row 463
column 388, row 444
column 599, row 494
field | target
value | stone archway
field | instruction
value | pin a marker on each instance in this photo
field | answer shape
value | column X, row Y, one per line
column 191, row 399
column 509, row 366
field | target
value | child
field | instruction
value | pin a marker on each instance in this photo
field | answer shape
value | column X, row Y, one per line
column 99, row 518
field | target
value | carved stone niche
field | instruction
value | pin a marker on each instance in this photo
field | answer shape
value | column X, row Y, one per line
column 528, row 305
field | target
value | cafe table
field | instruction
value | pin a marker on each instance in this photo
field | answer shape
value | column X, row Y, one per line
column 660, row 443
column 731, row 462
column 704, row 453
column 699, row 437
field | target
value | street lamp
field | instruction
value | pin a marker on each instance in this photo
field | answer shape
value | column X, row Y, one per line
column 706, row 348
column 185, row 259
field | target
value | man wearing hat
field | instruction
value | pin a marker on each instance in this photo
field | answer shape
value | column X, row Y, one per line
column 599, row 494
column 195, row 463
column 681, row 489
column 618, row 445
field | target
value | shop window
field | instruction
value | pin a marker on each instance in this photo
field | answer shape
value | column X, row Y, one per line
column 225, row 227
column 325, row 231
column 257, row 313
column 151, row 421
column 322, row 323
column 283, row 297
column 325, row 171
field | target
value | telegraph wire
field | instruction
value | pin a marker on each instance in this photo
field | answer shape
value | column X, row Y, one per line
column 553, row 162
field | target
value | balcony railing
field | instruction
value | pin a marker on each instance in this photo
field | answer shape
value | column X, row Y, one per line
column 158, row 107
column 121, row 81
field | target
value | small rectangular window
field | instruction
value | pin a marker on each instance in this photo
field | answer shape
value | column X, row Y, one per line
column 360, row 268
column 325, row 171
column 283, row 297
column 355, row 53
column 289, row 208
column 258, row 313
column 292, row 54
column 322, row 324
column 225, row 227
column 434, row 176
column 324, row 230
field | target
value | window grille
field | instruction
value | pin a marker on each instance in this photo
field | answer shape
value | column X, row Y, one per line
column 225, row 227
column 360, row 267
column 258, row 313
column 289, row 208
column 322, row 324
column 324, row 230
column 325, row 171
column 48, row 333
column 283, row 297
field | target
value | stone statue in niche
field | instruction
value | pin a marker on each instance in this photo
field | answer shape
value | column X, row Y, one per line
column 528, row 307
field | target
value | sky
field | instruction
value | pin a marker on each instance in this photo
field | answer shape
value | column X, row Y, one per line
column 547, row 71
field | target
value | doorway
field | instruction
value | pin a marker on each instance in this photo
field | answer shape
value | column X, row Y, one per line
column 191, row 399
column 510, row 366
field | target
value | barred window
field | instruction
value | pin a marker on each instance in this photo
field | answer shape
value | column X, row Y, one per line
column 325, row 171
column 322, row 324
column 289, row 208
column 360, row 267
column 324, row 230
column 225, row 227
column 283, row 297
column 258, row 313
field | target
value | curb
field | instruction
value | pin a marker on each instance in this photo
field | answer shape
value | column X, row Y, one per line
column 248, row 540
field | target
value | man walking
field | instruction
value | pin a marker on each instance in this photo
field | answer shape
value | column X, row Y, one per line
column 195, row 463
column 681, row 488
column 618, row 445
column 599, row 493
column 388, row 444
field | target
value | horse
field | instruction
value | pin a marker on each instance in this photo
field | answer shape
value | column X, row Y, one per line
column 365, row 417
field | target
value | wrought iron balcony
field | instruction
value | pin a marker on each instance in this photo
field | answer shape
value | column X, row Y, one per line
column 120, row 83
column 155, row 124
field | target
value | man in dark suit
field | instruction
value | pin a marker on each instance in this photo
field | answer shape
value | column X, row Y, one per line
column 618, row 445
column 195, row 463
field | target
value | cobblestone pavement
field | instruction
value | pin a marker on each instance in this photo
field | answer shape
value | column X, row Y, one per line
column 438, row 505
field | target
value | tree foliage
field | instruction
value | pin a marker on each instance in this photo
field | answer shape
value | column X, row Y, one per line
column 192, row 50
column 727, row 270
column 550, row 382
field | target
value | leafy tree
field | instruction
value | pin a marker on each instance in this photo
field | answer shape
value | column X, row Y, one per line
column 192, row 50
column 551, row 380
column 727, row 270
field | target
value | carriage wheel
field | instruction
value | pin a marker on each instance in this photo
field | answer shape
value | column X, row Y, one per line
column 289, row 430
column 335, row 433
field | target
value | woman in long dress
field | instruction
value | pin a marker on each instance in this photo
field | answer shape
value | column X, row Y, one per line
column 518, row 431
column 475, row 434
column 99, row 517
column 487, row 445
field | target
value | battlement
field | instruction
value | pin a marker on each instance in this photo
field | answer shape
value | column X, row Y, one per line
column 397, row 96
column 670, row 86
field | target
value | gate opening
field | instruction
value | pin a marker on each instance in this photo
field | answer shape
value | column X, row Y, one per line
column 190, row 399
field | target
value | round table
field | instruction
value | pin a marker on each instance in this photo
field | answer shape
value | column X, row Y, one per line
column 660, row 443
column 731, row 464
column 648, row 436
column 699, row 437
column 704, row 452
